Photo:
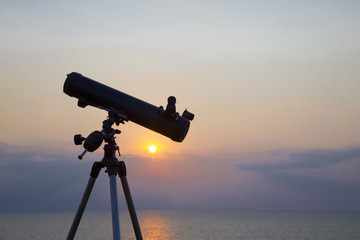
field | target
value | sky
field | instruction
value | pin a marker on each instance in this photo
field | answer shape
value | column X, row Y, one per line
column 273, row 86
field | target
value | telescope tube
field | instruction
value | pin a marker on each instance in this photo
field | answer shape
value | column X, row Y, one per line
column 90, row 92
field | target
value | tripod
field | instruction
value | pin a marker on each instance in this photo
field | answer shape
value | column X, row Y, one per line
column 113, row 167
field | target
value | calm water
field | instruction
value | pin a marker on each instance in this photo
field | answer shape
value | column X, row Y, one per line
column 163, row 225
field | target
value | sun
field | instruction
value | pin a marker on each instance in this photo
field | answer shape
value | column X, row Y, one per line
column 152, row 148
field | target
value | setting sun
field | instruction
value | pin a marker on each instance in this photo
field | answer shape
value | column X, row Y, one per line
column 152, row 149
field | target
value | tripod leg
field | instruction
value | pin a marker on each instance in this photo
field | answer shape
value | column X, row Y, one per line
column 114, row 208
column 129, row 201
column 93, row 175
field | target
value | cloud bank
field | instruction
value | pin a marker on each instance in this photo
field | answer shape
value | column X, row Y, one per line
column 33, row 180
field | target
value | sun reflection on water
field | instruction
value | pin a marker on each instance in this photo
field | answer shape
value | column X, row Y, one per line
column 155, row 227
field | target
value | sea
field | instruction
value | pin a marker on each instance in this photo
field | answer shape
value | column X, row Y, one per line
column 179, row 225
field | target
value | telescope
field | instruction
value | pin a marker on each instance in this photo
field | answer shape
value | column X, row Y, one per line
column 121, row 107
column 164, row 121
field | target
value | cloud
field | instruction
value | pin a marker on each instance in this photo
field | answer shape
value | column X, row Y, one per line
column 306, row 159
column 38, row 180
column 308, row 179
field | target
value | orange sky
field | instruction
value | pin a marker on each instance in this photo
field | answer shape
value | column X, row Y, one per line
column 256, row 75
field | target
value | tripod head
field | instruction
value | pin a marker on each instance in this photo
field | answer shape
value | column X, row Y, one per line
column 107, row 134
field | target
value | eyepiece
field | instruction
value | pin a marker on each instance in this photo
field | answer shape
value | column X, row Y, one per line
column 171, row 100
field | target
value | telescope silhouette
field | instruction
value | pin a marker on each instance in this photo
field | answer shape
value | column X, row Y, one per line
column 164, row 121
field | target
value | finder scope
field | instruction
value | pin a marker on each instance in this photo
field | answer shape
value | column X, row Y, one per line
column 164, row 121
